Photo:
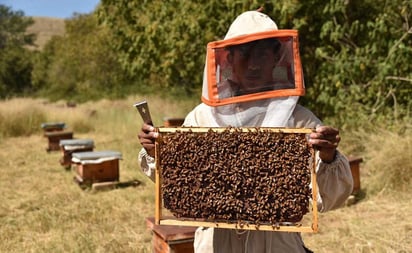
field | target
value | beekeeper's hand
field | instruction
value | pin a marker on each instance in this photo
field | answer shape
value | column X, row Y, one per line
column 325, row 139
column 147, row 137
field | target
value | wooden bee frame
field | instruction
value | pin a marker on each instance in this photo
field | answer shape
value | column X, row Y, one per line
column 284, row 226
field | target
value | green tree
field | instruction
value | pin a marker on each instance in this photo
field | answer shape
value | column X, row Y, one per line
column 15, row 60
column 80, row 65
column 15, row 71
column 360, row 69
column 356, row 54
column 164, row 42
column 13, row 25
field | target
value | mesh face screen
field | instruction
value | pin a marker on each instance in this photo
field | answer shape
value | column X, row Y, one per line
column 254, row 69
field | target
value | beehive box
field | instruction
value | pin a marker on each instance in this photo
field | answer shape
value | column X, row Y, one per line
column 68, row 147
column 354, row 163
column 236, row 178
column 53, row 126
column 171, row 239
column 96, row 166
column 54, row 138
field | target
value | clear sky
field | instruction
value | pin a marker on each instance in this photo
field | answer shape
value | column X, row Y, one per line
column 51, row 8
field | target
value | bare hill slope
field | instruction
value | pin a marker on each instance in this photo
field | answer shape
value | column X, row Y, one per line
column 45, row 28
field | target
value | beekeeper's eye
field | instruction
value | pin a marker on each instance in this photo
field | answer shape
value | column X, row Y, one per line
column 263, row 53
column 244, row 50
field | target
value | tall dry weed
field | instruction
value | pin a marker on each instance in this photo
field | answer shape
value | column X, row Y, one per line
column 18, row 118
column 389, row 160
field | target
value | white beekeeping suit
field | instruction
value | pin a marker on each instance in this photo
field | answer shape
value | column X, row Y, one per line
column 227, row 101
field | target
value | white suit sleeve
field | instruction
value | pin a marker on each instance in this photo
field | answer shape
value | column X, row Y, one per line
column 147, row 164
column 335, row 182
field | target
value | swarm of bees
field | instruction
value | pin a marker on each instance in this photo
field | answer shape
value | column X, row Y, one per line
column 256, row 177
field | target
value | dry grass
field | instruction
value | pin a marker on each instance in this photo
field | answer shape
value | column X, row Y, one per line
column 45, row 28
column 17, row 119
column 43, row 210
column 390, row 164
column 378, row 224
column 380, row 221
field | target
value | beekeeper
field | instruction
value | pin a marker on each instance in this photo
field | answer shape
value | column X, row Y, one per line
column 253, row 78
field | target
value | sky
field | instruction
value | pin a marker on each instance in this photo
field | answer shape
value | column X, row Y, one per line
column 51, row 8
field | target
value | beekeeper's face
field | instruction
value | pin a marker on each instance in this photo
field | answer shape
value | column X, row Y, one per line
column 252, row 65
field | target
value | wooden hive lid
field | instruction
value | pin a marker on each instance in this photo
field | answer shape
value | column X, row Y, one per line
column 96, row 155
column 171, row 232
column 77, row 142
column 48, row 125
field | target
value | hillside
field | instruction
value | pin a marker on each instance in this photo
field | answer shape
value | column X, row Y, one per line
column 45, row 28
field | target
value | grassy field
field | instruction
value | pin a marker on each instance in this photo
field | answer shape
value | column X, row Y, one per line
column 43, row 210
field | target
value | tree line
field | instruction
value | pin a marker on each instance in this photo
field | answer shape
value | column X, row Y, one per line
column 356, row 55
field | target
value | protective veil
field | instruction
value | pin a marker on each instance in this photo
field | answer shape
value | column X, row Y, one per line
column 253, row 43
